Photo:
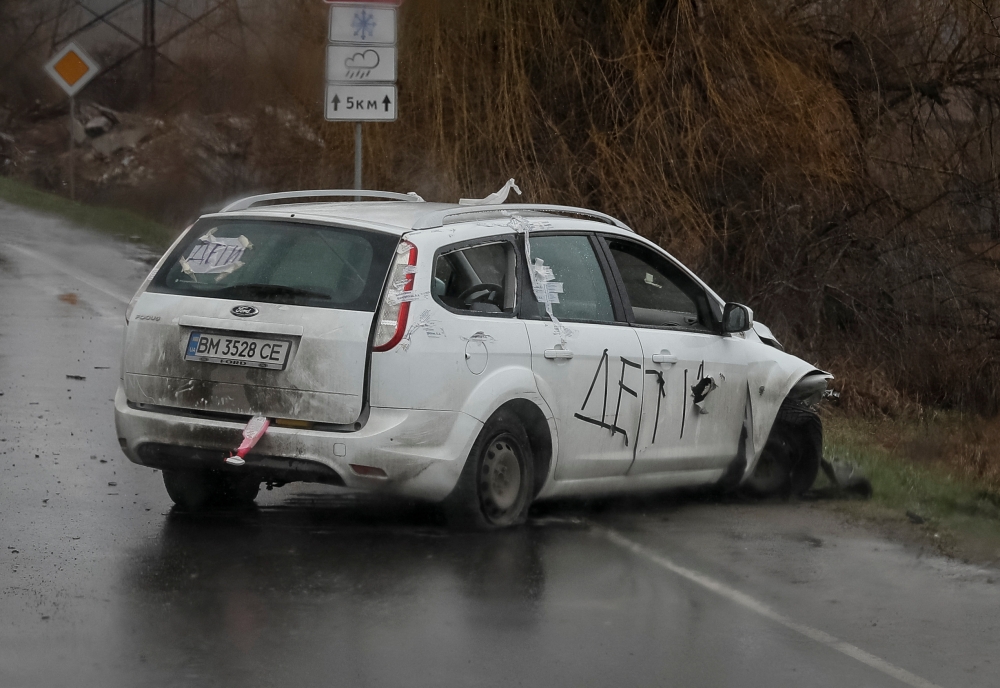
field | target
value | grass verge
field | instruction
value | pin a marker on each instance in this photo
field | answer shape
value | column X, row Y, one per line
column 114, row 221
column 921, row 477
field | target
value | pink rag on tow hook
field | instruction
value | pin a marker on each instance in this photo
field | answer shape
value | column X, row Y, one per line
column 254, row 430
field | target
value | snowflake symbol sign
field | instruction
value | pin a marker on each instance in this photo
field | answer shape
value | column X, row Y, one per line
column 363, row 24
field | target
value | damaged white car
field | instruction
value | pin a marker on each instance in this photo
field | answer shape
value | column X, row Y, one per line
column 476, row 354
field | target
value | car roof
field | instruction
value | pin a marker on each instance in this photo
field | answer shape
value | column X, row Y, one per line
column 389, row 216
column 409, row 212
column 403, row 214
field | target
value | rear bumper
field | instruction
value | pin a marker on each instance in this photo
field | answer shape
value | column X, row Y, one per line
column 421, row 452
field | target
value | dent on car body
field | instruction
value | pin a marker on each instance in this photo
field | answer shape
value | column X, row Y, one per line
column 769, row 383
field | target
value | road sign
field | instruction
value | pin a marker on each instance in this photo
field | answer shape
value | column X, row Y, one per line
column 72, row 69
column 364, row 24
column 361, row 68
column 361, row 102
column 361, row 63
column 354, row 63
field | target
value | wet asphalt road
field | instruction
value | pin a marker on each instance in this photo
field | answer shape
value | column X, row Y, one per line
column 101, row 584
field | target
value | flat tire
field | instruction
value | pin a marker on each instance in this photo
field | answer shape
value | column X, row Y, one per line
column 496, row 485
column 790, row 461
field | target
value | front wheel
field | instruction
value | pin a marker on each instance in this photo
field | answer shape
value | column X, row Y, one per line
column 497, row 482
column 790, row 461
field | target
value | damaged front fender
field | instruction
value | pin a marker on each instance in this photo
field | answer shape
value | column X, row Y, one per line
column 811, row 388
column 772, row 377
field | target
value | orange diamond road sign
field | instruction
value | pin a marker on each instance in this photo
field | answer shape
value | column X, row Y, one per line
column 72, row 68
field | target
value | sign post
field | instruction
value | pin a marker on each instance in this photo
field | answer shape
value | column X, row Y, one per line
column 361, row 68
column 357, row 157
column 72, row 69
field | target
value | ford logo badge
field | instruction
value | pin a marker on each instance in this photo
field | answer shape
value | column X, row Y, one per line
column 244, row 311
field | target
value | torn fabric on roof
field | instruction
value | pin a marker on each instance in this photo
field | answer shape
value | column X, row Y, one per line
column 495, row 198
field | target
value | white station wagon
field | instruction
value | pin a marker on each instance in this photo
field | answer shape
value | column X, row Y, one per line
column 483, row 355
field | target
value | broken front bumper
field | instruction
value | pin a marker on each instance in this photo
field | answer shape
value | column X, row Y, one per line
column 421, row 452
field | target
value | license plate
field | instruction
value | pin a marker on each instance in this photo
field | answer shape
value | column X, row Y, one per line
column 248, row 352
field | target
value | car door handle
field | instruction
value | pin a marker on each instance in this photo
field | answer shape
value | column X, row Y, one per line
column 664, row 357
column 558, row 353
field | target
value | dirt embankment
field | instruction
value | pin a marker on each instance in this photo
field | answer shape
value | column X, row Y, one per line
column 171, row 167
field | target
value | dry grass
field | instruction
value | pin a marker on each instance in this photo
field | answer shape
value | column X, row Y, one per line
column 831, row 163
column 959, row 446
column 934, row 478
column 114, row 221
column 746, row 139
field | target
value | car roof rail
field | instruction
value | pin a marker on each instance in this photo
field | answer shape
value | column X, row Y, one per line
column 357, row 194
column 438, row 218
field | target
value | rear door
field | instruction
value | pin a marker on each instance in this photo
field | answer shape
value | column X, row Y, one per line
column 696, row 379
column 586, row 360
column 255, row 316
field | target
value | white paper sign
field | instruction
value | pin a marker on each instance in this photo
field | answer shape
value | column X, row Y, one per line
column 215, row 255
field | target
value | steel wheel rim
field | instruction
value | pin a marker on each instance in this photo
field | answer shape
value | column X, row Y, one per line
column 500, row 478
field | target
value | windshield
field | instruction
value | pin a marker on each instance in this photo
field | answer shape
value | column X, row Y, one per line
column 280, row 262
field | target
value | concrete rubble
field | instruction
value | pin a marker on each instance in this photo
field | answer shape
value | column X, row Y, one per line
column 180, row 160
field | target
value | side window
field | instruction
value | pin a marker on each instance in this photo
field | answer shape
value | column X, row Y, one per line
column 661, row 293
column 578, row 290
column 480, row 279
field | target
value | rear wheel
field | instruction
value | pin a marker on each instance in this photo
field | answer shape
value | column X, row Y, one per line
column 495, row 488
column 238, row 490
column 790, row 461
column 197, row 490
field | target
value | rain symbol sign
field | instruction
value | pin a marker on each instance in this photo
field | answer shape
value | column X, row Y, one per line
column 361, row 63
column 351, row 64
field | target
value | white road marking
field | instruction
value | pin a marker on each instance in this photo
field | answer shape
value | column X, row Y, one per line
column 93, row 282
column 764, row 610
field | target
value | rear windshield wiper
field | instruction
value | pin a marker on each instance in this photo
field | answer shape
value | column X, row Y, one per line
column 265, row 290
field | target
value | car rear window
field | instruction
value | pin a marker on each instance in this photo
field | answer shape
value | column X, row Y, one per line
column 280, row 262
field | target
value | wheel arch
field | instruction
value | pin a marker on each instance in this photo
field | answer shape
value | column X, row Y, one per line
column 536, row 425
column 514, row 388
column 769, row 384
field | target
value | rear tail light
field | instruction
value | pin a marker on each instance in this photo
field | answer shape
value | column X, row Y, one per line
column 396, row 305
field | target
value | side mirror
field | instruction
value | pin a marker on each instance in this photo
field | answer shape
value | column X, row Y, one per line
column 736, row 318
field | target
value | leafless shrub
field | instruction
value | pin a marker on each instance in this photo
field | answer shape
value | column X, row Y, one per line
column 830, row 162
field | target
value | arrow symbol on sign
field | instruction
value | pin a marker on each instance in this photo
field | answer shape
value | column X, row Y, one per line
column 336, row 101
column 386, row 102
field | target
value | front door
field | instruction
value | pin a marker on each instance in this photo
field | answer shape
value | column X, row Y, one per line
column 695, row 378
column 587, row 362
